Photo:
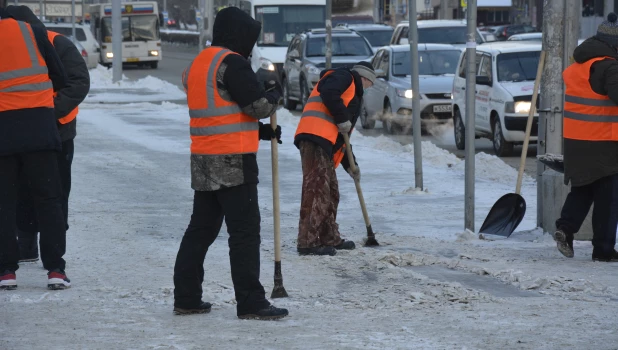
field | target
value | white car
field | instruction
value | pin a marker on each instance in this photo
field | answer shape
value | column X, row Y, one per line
column 83, row 35
column 439, row 31
column 390, row 97
column 505, row 74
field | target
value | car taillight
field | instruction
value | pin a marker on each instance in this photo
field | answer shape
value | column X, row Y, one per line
column 504, row 32
column 84, row 53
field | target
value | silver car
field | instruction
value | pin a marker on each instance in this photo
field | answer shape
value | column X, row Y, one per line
column 390, row 98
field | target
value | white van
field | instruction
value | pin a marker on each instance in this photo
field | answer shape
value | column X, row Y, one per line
column 505, row 74
column 85, row 38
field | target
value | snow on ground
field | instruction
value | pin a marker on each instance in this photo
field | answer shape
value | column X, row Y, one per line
column 103, row 90
column 428, row 286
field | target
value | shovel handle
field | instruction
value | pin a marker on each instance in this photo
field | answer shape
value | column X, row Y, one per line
column 274, row 151
column 361, row 199
column 535, row 94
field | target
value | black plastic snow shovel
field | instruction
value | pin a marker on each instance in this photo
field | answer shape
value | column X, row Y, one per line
column 509, row 210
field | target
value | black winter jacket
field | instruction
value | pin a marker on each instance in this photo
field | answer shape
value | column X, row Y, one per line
column 77, row 87
column 331, row 88
column 32, row 129
column 588, row 161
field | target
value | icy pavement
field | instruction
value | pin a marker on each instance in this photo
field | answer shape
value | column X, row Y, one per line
column 428, row 286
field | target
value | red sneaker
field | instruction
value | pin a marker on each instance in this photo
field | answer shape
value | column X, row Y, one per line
column 57, row 279
column 8, row 280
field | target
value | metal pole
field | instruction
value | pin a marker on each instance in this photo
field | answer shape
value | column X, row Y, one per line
column 40, row 9
column 416, row 97
column 209, row 8
column 470, row 112
column 329, row 33
column 117, row 40
column 165, row 8
column 73, row 20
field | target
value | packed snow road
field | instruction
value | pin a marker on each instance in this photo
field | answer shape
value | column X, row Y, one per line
column 428, row 286
column 176, row 57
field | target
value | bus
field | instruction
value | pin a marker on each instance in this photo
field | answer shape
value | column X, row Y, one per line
column 141, row 39
column 281, row 21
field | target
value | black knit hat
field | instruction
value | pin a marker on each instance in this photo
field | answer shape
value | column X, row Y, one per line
column 608, row 30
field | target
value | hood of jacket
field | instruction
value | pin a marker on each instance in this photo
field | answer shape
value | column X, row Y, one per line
column 593, row 48
column 358, row 82
column 235, row 30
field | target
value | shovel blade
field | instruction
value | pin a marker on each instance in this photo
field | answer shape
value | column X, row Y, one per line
column 505, row 215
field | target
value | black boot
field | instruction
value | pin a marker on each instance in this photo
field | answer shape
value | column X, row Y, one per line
column 267, row 314
column 202, row 308
column 605, row 258
column 345, row 245
column 28, row 246
column 564, row 242
column 324, row 250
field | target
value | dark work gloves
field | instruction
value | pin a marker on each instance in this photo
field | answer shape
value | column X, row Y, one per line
column 267, row 133
column 273, row 85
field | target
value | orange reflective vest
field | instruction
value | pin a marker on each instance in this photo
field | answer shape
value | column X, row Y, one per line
column 317, row 120
column 587, row 115
column 217, row 126
column 73, row 114
column 24, row 82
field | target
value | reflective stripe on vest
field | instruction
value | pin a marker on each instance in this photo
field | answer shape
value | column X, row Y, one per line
column 24, row 82
column 217, row 126
column 73, row 114
column 587, row 115
column 317, row 120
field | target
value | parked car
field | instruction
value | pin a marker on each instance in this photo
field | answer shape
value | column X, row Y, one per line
column 378, row 35
column 488, row 36
column 505, row 74
column 83, row 35
column 390, row 97
column 441, row 31
column 533, row 37
column 305, row 60
column 504, row 32
column 526, row 37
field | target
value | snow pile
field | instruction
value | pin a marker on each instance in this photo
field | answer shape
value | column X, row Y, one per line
column 491, row 168
column 103, row 89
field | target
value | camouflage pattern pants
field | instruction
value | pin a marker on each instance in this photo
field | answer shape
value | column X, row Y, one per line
column 320, row 198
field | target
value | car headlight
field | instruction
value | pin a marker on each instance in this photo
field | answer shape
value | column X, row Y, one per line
column 522, row 107
column 311, row 69
column 267, row 64
column 519, row 107
column 405, row 93
column 109, row 55
column 153, row 53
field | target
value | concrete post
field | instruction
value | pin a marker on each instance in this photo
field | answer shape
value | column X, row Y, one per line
column 416, row 97
column 560, row 34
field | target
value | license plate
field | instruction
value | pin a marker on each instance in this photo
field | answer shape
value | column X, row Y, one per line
column 442, row 108
column 137, row 60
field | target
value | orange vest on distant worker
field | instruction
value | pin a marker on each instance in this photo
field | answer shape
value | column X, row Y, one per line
column 24, row 82
column 217, row 126
column 73, row 114
column 587, row 115
column 317, row 120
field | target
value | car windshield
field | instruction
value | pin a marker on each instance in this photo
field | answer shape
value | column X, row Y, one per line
column 518, row 66
column 281, row 23
column 377, row 37
column 442, row 35
column 134, row 28
column 68, row 31
column 437, row 62
column 342, row 46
